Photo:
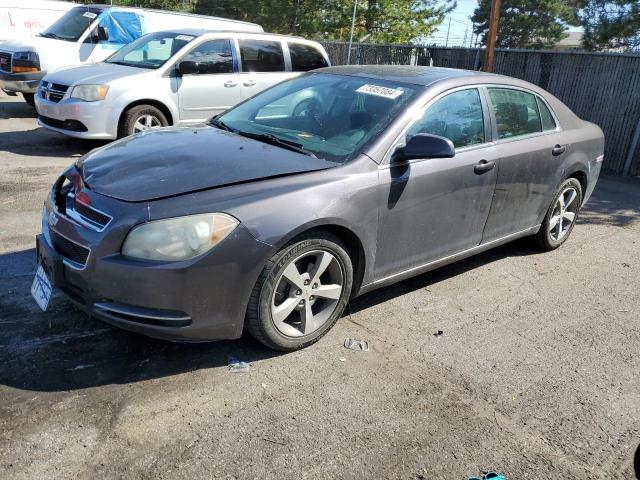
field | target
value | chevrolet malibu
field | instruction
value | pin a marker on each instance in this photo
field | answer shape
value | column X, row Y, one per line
column 272, row 216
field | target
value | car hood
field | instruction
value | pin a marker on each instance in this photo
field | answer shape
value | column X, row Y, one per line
column 94, row 74
column 173, row 161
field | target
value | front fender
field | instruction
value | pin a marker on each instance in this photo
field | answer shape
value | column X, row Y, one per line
column 124, row 101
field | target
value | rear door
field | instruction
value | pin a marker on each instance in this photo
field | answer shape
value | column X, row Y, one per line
column 215, row 87
column 262, row 64
column 530, row 149
column 433, row 208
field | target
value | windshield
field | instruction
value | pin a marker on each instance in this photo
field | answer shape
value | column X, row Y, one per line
column 72, row 24
column 330, row 116
column 151, row 51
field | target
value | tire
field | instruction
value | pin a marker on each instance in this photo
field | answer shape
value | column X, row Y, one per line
column 140, row 113
column 29, row 98
column 274, row 293
column 552, row 235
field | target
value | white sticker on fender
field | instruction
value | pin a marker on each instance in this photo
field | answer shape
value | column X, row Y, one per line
column 385, row 92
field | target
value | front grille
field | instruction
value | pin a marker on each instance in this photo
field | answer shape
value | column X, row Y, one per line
column 5, row 61
column 71, row 125
column 68, row 249
column 54, row 92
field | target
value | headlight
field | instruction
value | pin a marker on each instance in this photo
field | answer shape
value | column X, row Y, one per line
column 178, row 238
column 90, row 93
column 24, row 62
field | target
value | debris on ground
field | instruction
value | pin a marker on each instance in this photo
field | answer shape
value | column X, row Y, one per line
column 237, row 366
column 438, row 334
column 355, row 344
column 342, row 359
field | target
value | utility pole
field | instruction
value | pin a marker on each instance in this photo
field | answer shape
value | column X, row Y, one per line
column 494, row 19
column 446, row 43
column 353, row 25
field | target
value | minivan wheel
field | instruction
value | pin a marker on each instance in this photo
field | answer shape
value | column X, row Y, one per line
column 561, row 216
column 140, row 118
column 301, row 292
column 29, row 98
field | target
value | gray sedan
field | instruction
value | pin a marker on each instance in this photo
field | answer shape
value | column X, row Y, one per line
column 272, row 216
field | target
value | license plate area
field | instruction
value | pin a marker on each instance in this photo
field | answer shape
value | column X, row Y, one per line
column 41, row 288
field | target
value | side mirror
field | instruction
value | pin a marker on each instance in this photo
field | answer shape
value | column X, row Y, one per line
column 425, row 145
column 103, row 34
column 187, row 67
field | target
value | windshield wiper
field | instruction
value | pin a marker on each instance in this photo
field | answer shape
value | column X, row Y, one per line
column 220, row 124
column 48, row 35
column 277, row 141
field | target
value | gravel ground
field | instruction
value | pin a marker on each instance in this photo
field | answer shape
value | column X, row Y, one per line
column 535, row 374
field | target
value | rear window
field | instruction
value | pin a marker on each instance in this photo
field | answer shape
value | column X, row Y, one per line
column 516, row 112
column 261, row 56
column 305, row 57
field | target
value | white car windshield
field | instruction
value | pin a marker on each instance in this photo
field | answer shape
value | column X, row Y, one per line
column 72, row 24
column 151, row 51
column 324, row 115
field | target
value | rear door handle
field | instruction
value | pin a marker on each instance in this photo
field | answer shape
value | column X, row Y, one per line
column 558, row 150
column 230, row 83
column 249, row 83
column 483, row 166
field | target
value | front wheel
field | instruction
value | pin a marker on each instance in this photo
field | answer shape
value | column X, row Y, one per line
column 140, row 118
column 301, row 292
column 561, row 216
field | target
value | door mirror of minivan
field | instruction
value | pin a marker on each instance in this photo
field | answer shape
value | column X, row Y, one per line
column 425, row 145
column 103, row 34
column 187, row 67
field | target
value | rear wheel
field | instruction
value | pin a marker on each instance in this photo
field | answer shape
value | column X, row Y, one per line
column 561, row 216
column 301, row 292
column 140, row 118
column 29, row 98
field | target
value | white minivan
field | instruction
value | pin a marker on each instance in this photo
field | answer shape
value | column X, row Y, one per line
column 26, row 18
column 89, row 34
column 177, row 77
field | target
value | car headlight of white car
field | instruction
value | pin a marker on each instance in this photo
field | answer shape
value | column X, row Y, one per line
column 90, row 93
column 179, row 238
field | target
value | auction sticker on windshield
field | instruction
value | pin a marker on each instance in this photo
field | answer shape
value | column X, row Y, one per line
column 41, row 289
column 89, row 15
column 379, row 91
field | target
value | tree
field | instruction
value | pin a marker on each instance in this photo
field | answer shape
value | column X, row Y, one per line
column 527, row 23
column 610, row 25
column 399, row 21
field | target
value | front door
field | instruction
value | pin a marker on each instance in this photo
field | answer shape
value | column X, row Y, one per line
column 214, row 88
column 433, row 208
column 530, row 151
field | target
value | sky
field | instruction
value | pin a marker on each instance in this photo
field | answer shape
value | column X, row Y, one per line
column 460, row 22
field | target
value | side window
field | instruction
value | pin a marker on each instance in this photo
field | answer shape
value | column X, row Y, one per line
column 516, row 112
column 213, row 56
column 458, row 117
column 305, row 57
column 548, row 123
column 261, row 56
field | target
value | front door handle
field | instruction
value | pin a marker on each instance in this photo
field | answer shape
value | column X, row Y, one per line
column 558, row 150
column 483, row 166
column 230, row 83
column 249, row 83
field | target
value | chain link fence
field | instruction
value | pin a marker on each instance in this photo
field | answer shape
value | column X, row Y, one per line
column 603, row 88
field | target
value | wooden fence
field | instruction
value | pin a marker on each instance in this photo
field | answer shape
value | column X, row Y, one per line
column 602, row 88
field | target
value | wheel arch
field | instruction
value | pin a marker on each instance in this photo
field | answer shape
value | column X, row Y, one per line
column 582, row 177
column 351, row 240
column 148, row 101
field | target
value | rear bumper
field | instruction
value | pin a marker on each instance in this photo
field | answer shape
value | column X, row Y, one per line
column 20, row 82
column 194, row 301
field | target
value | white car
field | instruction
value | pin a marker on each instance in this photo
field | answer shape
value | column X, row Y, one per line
column 89, row 34
column 180, row 77
column 26, row 18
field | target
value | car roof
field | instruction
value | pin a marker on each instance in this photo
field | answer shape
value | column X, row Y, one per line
column 197, row 32
column 410, row 74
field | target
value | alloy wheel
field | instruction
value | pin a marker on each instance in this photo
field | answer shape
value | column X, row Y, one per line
column 145, row 122
column 307, row 293
column 564, row 214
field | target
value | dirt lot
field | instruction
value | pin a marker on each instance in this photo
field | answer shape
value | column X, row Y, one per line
column 536, row 374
